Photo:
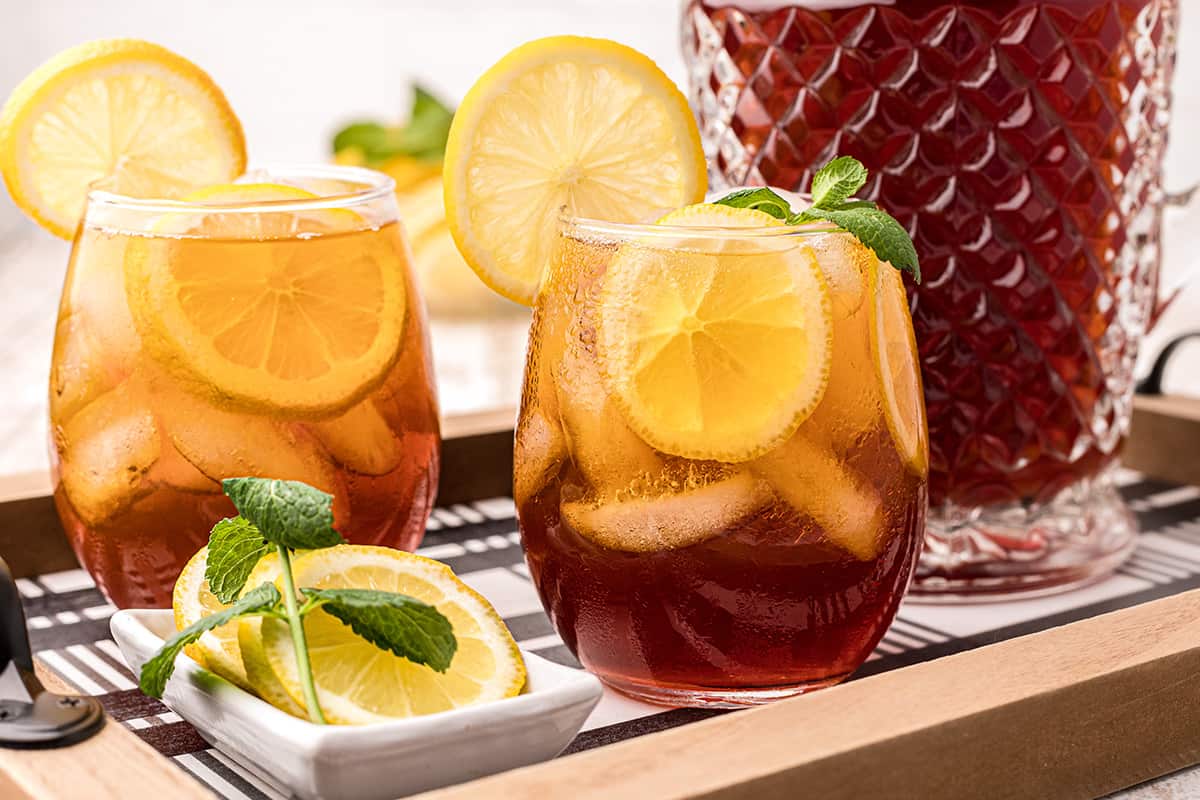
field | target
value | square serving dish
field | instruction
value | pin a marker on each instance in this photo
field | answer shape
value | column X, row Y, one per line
column 371, row 762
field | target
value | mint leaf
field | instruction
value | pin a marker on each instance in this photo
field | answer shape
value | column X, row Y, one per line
column 157, row 671
column 234, row 548
column 395, row 622
column 833, row 184
column 428, row 127
column 370, row 137
column 287, row 513
column 423, row 136
column 875, row 228
column 760, row 199
column 836, row 181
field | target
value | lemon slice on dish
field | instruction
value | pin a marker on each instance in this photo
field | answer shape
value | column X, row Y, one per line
column 192, row 600
column 143, row 120
column 268, row 309
column 358, row 683
column 585, row 125
column 715, row 352
column 894, row 350
column 262, row 679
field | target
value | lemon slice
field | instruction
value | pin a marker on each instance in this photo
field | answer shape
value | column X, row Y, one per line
column 358, row 683
column 259, row 674
column 149, row 121
column 216, row 649
column 585, row 125
column 715, row 355
column 894, row 350
column 270, row 309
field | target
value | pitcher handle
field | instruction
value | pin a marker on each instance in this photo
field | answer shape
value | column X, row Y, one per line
column 1185, row 208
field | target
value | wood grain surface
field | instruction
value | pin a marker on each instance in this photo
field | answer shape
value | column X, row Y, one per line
column 1165, row 442
column 1078, row 711
column 112, row 765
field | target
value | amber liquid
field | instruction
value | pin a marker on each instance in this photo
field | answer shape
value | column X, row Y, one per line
column 1021, row 141
column 790, row 593
column 768, row 604
column 138, row 450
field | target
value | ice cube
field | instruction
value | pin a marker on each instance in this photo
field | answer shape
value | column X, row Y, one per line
column 813, row 481
column 80, row 372
column 671, row 520
column 96, row 289
column 846, row 263
column 539, row 452
column 361, row 440
column 852, row 403
column 226, row 444
column 608, row 453
column 106, row 450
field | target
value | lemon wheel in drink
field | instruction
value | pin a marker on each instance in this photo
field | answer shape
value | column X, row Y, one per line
column 293, row 327
column 894, row 351
column 715, row 352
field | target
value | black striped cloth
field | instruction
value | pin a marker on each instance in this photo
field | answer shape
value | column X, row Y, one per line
column 68, row 621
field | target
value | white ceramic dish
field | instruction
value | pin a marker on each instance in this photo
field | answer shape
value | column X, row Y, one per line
column 372, row 762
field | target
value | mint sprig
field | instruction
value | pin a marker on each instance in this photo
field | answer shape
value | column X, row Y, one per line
column 833, row 186
column 156, row 671
column 284, row 516
column 234, row 548
column 423, row 137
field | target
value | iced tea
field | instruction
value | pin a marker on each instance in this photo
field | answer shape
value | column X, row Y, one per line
column 262, row 329
column 773, row 569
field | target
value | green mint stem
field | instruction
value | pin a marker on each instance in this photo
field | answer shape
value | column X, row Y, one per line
column 299, row 641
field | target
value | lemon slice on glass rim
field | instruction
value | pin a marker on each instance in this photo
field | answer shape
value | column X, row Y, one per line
column 715, row 355
column 145, row 121
column 566, row 122
column 255, row 316
column 357, row 683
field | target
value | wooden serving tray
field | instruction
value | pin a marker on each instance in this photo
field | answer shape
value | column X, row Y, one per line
column 1079, row 710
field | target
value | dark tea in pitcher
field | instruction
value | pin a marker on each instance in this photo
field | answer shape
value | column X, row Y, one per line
column 1021, row 143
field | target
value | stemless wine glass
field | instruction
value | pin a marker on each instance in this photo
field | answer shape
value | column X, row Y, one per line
column 267, row 328
column 731, row 579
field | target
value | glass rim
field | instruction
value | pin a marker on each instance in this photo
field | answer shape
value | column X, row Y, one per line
column 627, row 230
column 375, row 185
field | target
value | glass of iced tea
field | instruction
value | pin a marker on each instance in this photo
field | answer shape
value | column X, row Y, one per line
column 268, row 327
column 721, row 456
